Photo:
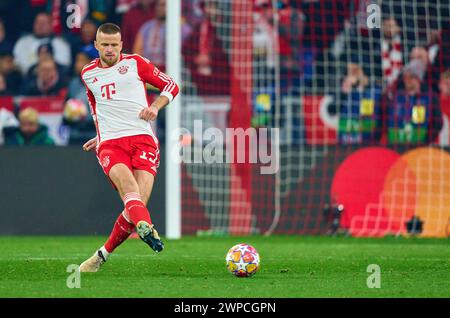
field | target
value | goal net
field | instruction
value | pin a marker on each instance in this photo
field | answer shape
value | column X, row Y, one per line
column 343, row 108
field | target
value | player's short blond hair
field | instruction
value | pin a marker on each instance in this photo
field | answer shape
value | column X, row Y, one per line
column 108, row 28
column 29, row 114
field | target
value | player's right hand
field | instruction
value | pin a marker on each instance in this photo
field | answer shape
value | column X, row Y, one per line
column 90, row 144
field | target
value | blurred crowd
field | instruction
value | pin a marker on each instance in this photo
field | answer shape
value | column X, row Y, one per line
column 386, row 71
column 44, row 45
column 389, row 83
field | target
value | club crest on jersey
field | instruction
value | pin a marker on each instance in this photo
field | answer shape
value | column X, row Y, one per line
column 123, row 69
column 105, row 161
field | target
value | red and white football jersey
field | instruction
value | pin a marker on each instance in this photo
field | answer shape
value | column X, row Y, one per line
column 117, row 94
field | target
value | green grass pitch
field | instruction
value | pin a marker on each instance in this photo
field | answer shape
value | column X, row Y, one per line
column 291, row 266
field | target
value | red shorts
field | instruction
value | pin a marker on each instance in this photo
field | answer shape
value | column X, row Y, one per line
column 140, row 152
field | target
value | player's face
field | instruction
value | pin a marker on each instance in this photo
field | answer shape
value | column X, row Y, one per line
column 109, row 47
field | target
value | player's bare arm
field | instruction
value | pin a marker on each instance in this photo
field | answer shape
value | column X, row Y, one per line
column 151, row 112
column 91, row 144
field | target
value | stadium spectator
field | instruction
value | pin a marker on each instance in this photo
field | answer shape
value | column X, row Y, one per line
column 380, row 53
column 84, row 41
column 26, row 48
column 76, row 88
column 29, row 132
column 45, row 51
column 150, row 41
column 413, row 112
column 264, row 44
column 7, row 119
column 87, row 33
column 204, row 54
column 132, row 21
column 264, row 37
column 192, row 12
column 291, row 25
column 391, row 51
column 431, row 76
column 11, row 75
column 47, row 80
column 420, row 53
column 359, row 108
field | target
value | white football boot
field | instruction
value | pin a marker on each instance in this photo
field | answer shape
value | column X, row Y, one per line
column 93, row 263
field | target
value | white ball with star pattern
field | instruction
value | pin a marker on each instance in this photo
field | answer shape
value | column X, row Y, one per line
column 242, row 260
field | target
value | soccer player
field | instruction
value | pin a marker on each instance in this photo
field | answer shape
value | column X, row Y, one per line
column 126, row 146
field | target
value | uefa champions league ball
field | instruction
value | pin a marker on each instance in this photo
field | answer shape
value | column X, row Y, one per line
column 75, row 110
column 242, row 260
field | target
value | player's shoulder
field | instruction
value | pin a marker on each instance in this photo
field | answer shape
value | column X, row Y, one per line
column 138, row 58
column 88, row 67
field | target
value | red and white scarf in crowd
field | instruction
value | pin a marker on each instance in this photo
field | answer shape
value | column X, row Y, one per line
column 392, row 59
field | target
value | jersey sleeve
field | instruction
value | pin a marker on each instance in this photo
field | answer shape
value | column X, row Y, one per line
column 91, row 100
column 91, row 97
column 152, row 75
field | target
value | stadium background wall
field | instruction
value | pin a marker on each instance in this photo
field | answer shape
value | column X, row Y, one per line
column 62, row 191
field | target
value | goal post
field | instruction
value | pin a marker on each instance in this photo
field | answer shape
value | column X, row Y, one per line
column 173, row 168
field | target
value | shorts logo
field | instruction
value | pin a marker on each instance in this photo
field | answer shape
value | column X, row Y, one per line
column 105, row 161
column 123, row 69
column 153, row 158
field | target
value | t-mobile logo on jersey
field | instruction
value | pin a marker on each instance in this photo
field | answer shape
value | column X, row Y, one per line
column 108, row 90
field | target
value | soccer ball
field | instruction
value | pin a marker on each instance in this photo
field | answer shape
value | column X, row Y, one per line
column 75, row 110
column 242, row 260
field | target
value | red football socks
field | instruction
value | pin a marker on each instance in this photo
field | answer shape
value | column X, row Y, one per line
column 120, row 232
column 137, row 211
column 134, row 212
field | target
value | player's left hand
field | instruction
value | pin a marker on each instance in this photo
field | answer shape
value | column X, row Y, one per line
column 149, row 113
